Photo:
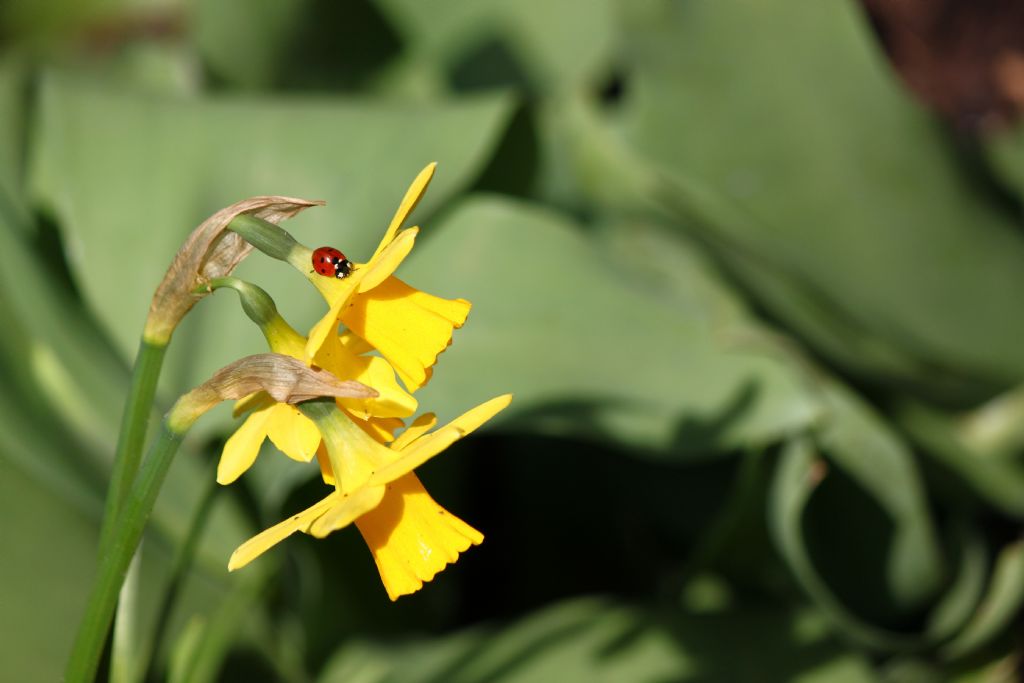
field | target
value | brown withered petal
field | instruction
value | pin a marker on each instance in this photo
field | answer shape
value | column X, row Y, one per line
column 210, row 251
column 285, row 379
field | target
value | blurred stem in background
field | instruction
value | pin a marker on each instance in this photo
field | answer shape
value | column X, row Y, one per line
column 125, row 643
column 182, row 563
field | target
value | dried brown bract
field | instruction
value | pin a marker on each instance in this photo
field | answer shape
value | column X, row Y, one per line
column 210, row 251
column 285, row 379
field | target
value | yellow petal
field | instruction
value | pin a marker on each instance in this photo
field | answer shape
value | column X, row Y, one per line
column 356, row 345
column 373, row 371
column 409, row 327
column 353, row 453
column 324, row 460
column 412, row 538
column 409, row 202
column 424, row 448
column 260, row 543
column 256, row 401
column 293, row 433
column 382, row 429
column 392, row 399
column 338, row 298
column 241, row 449
column 346, row 508
column 383, row 265
column 420, row 426
column 380, row 266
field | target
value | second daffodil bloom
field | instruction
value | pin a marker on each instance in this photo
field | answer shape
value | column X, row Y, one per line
column 411, row 537
column 408, row 327
column 290, row 431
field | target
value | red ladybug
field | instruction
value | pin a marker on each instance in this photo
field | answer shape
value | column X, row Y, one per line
column 330, row 262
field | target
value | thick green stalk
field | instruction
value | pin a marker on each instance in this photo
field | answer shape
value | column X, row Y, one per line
column 130, row 441
column 117, row 555
column 134, row 420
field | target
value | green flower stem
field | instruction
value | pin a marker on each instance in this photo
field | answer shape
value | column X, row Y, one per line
column 117, row 555
column 256, row 303
column 272, row 240
column 134, row 421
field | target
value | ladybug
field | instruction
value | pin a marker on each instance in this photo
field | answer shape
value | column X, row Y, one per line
column 330, row 262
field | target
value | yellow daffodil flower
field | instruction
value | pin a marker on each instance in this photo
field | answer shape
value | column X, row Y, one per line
column 411, row 537
column 292, row 432
column 408, row 327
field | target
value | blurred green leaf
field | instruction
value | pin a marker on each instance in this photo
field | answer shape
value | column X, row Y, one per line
column 654, row 260
column 13, row 94
column 853, row 436
column 34, row 438
column 859, row 441
column 1002, row 601
column 965, row 590
column 585, row 350
column 62, row 363
column 296, row 46
column 798, row 475
column 47, row 544
column 597, row 640
column 550, row 45
column 186, row 648
column 709, row 217
column 1006, row 154
column 995, row 429
column 1000, row 669
column 995, row 480
column 128, row 176
column 910, row 669
column 244, row 41
column 204, row 642
column 855, row 196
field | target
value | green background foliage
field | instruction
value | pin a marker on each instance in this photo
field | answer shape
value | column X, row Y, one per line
column 758, row 306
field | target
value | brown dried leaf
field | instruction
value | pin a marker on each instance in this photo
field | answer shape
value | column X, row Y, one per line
column 210, row 251
column 285, row 379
